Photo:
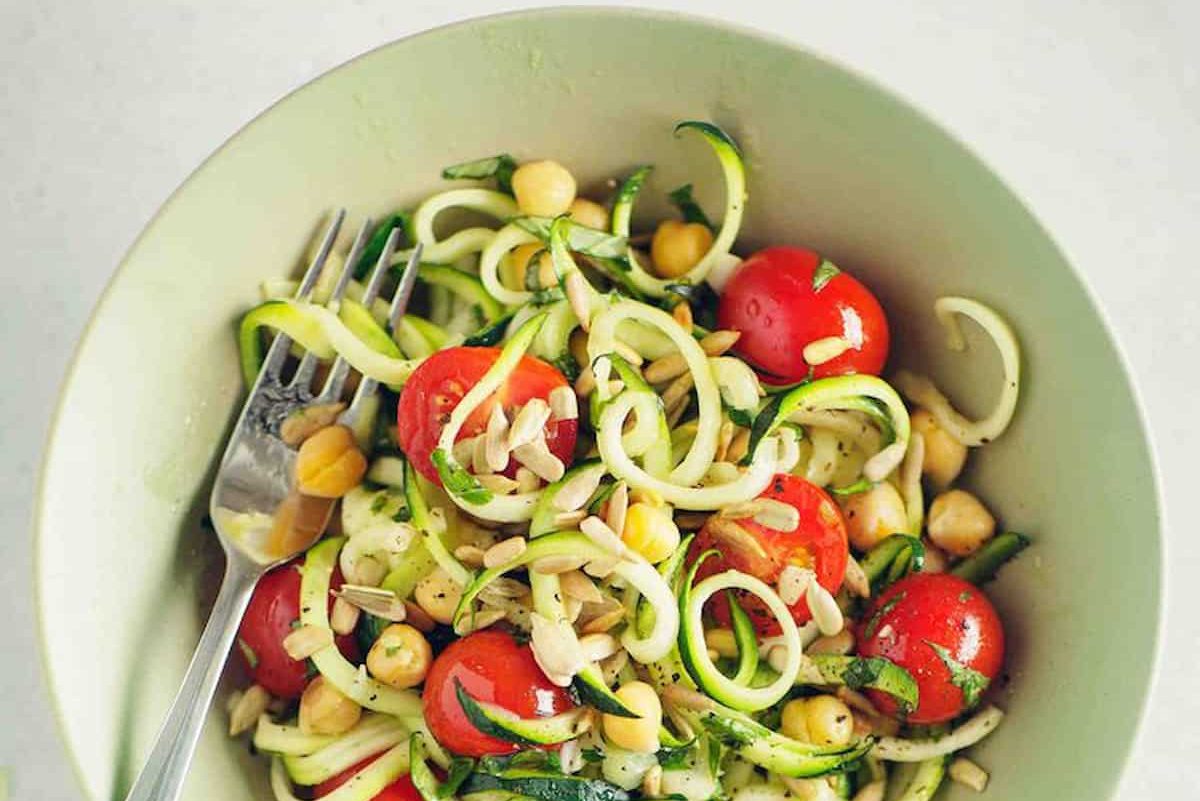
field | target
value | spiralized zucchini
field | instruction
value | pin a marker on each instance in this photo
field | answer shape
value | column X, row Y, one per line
column 923, row 392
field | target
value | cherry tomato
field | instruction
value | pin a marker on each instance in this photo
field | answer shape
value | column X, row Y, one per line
column 436, row 387
column 273, row 609
column 494, row 669
column 400, row 790
column 819, row 543
column 778, row 302
column 942, row 630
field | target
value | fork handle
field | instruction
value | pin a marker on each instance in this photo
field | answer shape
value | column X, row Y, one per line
column 161, row 778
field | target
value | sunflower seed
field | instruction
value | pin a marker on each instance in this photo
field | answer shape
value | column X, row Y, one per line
column 586, row 383
column 246, row 711
column 839, row 644
column 479, row 462
column 720, row 473
column 789, row 450
column 677, row 389
column 652, row 782
column 604, row 621
column 379, row 602
column 503, row 589
column 564, row 520
column 738, row 445
column 610, row 668
column 563, row 404
column 478, row 621
column 665, row 368
column 628, row 354
column 570, row 755
column 304, row 641
column 793, row 582
column 881, row 465
column 602, row 568
column 824, row 350
column 575, row 584
column 555, row 649
column 676, row 412
column 577, row 295
column 538, row 458
column 504, row 552
column 529, row 423
column 469, row 555
column 825, row 611
column 682, row 314
column 304, row 422
column 741, row 510
column 527, row 480
column 856, row 580
column 618, row 505
column 598, row 532
column 777, row 515
column 498, row 484
column 555, row 565
column 575, row 491
column 724, row 437
column 598, row 646
column 965, row 772
column 343, row 617
column 495, row 442
column 572, row 608
column 716, row 343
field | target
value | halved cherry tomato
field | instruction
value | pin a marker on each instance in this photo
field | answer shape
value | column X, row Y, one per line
column 783, row 298
column 942, row 630
column 819, row 543
column 494, row 669
column 400, row 790
column 436, row 387
column 274, row 609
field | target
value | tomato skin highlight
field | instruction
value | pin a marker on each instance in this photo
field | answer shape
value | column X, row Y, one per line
column 274, row 607
column 493, row 669
column 927, row 609
column 400, row 790
column 771, row 301
column 819, row 543
column 440, row 382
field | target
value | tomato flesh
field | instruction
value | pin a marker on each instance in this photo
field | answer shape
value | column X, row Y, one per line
column 819, row 543
column 935, row 609
column 772, row 302
column 493, row 669
column 400, row 790
column 274, row 608
column 440, row 382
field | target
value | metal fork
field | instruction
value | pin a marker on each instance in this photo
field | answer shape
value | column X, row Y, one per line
column 255, row 477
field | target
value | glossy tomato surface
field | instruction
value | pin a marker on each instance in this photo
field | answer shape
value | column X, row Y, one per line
column 819, row 544
column 437, row 386
column 783, row 298
column 274, row 609
column 400, row 790
column 942, row 630
column 494, row 669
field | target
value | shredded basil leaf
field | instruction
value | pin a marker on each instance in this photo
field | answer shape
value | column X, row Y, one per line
column 826, row 271
column 970, row 681
column 500, row 167
column 688, row 207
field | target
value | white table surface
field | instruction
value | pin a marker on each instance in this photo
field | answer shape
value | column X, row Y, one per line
column 1090, row 110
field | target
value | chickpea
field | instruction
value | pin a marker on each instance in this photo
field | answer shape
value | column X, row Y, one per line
column 324, row 710
column 543, row 188
column 821, row 720
column 577, row 343
column 589, row 213
column 438, row 595
column 936, row 560
column 518, row 266
column 329, row 463
column 959, row 523
column 944, row 455
column 722, row 641
column 678, row 247
column 298, row 521
column 400, row 657
column 873, row 515
column 650, row 531
column 638, row 734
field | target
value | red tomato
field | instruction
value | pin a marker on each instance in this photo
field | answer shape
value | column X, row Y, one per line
column 771, row 300
column 819, row 543
column 400, row 790
column 494, row 669
column 436, row 387
column 273, row 609
column 942, row 630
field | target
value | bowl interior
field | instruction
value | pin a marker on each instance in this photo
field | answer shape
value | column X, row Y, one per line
column 126, row 569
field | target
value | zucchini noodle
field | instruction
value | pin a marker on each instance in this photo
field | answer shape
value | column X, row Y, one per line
column 505, row 240
column 485, row 201
column 978, row 726
column 373, row 734
column 349, row 680
column 281, row 788
column 910, row 484
column 923, row 392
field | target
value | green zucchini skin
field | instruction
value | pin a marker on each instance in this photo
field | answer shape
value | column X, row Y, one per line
column 544, row 786
column 891, row 559
column 873, row 672
column 589, row 685
column 925, row 781
column 520, row 731
column 982, row 566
